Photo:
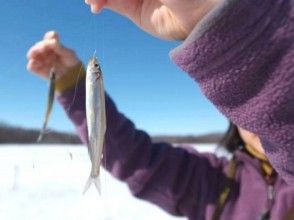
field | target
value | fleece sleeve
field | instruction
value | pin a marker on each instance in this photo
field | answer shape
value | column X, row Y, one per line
column 175, row 179
column 241, row 54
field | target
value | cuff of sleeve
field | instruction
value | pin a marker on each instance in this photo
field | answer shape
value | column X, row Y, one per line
column 227, row 33
column 70, row 78
column 236, row 48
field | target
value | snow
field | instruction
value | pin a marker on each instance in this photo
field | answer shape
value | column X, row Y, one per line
column 47, row 182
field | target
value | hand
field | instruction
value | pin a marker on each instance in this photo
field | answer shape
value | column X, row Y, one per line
column 167, row 19
column 49, row 53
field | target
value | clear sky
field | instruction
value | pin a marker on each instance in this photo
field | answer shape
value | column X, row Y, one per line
column 144, row 83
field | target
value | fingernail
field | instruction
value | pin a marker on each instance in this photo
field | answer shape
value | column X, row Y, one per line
column 95, row 9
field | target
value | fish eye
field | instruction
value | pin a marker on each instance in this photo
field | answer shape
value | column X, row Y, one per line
column 96, row 65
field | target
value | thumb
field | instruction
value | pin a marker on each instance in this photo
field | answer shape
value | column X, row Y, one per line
column 51, row 35
column 51, row 40
column 63, row 55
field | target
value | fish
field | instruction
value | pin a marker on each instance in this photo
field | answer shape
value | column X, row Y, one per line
column 51, row 94
column 96, row 120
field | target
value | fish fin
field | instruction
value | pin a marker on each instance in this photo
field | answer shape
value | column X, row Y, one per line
column 96, row 181
column 98, row 184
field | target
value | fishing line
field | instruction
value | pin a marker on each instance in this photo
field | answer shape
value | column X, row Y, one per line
column 100, row 31
column 76, row 87
column 94, row 30
column 91, row 27
column 104, row 154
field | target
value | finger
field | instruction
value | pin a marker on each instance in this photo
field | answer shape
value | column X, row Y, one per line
column 96, row 5
column 96, row 9
column 32, row 65
column 53, row 47
column 51, row 35
column 39, row 48
column 51, row 53
column 44, row 47
column 51, row 38
column 46, row 59
column 35, row 50
column 38, row 68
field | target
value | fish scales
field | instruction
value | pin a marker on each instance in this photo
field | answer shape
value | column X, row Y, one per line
column 50, row 102
column 96, row 119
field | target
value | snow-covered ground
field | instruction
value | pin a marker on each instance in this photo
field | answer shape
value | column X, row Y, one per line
column 47, row 182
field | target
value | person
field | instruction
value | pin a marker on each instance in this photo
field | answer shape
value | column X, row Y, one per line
column 241, row 55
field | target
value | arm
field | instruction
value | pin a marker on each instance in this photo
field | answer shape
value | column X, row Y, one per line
column 180, row 182
column 242, row 56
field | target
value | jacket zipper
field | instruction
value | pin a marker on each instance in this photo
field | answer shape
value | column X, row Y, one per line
column 270, row 196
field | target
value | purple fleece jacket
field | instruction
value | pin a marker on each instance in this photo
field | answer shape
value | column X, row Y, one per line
column 179, row 180
column 241, row 54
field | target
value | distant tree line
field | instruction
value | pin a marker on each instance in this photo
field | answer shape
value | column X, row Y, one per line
column 206, row 138
column 13, row 134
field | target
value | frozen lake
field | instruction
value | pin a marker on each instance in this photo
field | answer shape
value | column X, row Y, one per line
column 46, row 182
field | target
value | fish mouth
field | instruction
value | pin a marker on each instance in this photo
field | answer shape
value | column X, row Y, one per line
column 93, row 62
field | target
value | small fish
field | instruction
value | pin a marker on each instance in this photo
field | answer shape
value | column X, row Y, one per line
column 49, row 104
column 96, row 119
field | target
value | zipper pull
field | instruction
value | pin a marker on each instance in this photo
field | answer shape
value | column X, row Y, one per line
column 270, row 193
column 270, row 199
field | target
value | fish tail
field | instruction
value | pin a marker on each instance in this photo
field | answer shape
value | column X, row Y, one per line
column 96, row 181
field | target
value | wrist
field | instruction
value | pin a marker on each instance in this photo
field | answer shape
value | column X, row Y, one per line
column 189, row 15
column 70, row 78
column 196, row 16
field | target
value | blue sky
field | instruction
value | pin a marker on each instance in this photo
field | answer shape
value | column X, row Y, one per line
column 144, row 83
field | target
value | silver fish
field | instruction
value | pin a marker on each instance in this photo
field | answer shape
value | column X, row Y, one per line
column 49, row 104
column 96, row 119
